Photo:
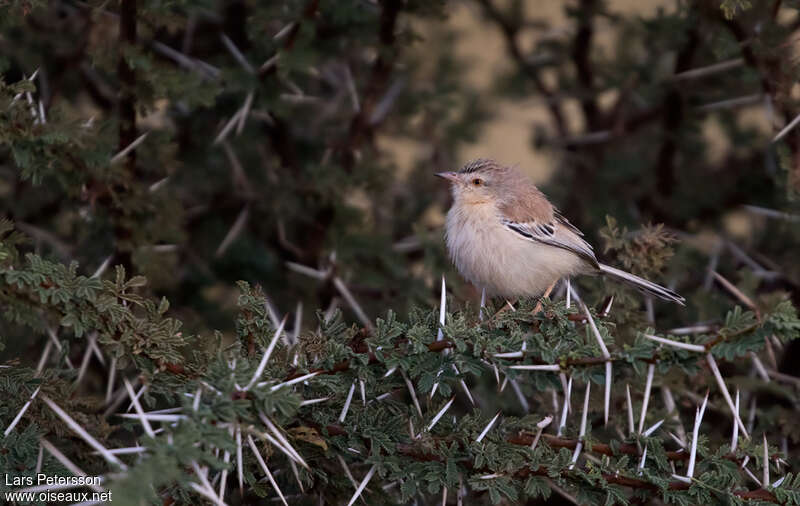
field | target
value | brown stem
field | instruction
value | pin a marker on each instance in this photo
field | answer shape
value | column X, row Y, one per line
column 127, row 77
column 360, row 127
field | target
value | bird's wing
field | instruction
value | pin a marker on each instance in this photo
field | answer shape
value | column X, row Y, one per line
column 558, row 232
column 529, row 215
column 562, row 220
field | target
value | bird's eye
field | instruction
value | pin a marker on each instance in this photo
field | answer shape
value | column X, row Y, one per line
column 477, row 181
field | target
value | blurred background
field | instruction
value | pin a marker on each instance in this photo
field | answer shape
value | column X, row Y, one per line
column 292, row 144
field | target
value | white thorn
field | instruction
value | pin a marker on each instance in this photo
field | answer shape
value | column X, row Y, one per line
column 273, row 314
column 239, row 466
column 464, row 386
column 103, row 266
column 267, row 354
column 111, row 373
column 412, row 392
column 283, row 31
column 607, row 393
column 294, row 381
column 87, row 354
column 68, row 464
column 762, row 371
column 244, row 113
column 735, row 435
column 563, row 377
column 82, row 432
column 411, row 432
column 362, row 485
column 490, row 476
column 509, row 354
column 265, row 468
column 766, row 462
column 540, row 427
column 441, row 413
column 487, row 428
column 596, row 332
column 669, row 403
column 307, row 271
column 347, row 402
column 520, row 396
column 43, row 360
column 202, row 474
column 787, row 129
column 721, row 383
column 347, row 471
column 138, row 407
column 585, row 413
column 483, row 304
column 630, row 408
column 298, row 322
column 567, row 395
column 644, row 457
column 752, row 476
column 678, row 440
column 348, row 296
column 196, row 401
column 653, row 428
column 676, row 344
column 647, row 387
column 21, row 412
column 130, row 147
column 576, row 454
column 435, row 385
column 290, row 450
column 442, row 310
column 308, row 402
column 698, row 418
column 205, row 493
column 39, row 459
column 155, row 417
column 224, row 479
column 237, row 54
column 537, row 367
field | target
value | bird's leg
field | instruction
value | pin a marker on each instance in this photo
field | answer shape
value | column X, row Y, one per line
column 545, row 294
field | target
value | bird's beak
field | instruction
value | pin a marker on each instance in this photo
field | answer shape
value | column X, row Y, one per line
column 452, row 176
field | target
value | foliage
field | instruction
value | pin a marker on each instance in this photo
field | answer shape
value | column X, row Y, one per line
column 153, row 154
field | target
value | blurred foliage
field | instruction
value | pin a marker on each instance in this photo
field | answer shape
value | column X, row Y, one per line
column 175, row 177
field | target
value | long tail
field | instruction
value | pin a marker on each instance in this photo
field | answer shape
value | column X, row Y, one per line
column 642, row 284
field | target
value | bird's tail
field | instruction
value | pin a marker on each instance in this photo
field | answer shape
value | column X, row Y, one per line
column 642, row 284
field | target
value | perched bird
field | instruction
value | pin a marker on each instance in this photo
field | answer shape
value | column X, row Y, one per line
column 504, row 236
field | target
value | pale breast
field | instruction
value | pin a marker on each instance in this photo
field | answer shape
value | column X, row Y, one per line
column 494, row 258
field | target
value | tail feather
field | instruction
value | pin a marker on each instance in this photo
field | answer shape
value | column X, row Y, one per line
column 642, row 284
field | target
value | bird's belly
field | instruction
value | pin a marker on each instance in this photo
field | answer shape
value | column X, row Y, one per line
column 494, row 258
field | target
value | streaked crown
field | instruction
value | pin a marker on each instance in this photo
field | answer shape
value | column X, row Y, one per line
column 479, row 165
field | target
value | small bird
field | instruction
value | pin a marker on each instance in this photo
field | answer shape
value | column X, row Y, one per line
column 504, row 236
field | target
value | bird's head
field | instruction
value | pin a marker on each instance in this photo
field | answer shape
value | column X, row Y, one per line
column 480, row 181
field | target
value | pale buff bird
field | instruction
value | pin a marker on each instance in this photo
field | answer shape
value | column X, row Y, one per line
column 504, row 236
